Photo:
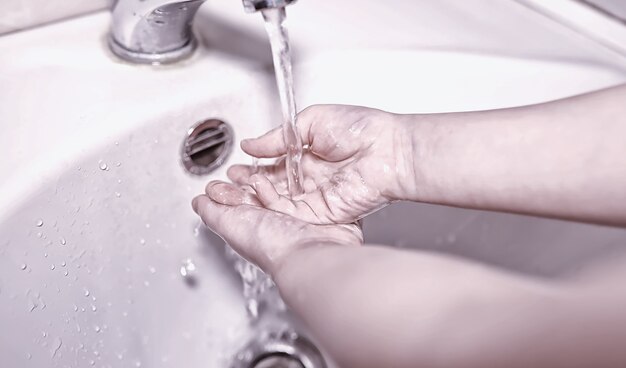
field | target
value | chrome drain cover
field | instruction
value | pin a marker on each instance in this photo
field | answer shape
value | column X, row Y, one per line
column 206, row 146
column 277, row 360
column 284, row 349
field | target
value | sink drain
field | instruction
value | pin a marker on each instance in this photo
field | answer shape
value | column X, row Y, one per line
column 206, row 147
column 277, row 361
column 279, row 350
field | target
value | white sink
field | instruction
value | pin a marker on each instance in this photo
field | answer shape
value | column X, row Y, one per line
column 68, row 109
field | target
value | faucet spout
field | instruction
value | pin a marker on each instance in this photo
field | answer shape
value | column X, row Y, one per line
column 256, row 5
column 160, row 31
column 153, row 31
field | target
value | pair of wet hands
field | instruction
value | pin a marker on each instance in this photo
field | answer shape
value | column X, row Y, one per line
column 346, row 176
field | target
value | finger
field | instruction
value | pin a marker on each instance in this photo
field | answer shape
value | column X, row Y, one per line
column 269, row 145
column 241, row 174
column 208, row 211
column 272, row 143
column 230, row 195
column 268, row 196
column 228, row 221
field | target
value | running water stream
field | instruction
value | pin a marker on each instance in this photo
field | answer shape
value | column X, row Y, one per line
column 279, row 41
column 255, row 283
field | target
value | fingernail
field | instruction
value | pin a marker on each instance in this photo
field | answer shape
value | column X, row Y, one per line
column 194, row 204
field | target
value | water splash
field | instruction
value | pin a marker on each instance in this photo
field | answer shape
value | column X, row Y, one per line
column 255, row 283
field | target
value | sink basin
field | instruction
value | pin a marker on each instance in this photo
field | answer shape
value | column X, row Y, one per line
column 95, row 218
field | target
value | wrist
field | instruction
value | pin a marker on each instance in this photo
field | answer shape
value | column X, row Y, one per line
column 413, row 136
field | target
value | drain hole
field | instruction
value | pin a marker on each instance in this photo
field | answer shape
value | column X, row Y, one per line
column 277, row 360
column 284, row 349
column 206, row 146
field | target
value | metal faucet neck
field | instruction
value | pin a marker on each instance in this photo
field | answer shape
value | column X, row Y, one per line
column 160, row 31
column 153, row 31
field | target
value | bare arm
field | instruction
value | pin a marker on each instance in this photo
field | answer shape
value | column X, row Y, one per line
column 381, row 307
column 375, row 307
column 564, row 159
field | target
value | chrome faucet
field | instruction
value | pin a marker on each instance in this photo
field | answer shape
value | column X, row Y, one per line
column 160, row 31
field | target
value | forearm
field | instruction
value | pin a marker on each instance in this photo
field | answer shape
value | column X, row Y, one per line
column 379, row 307
column 563, row 159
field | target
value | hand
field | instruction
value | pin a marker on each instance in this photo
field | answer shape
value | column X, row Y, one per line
column 356, row 161
column 262, row 236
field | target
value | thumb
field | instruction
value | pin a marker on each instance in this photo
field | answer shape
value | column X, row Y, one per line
column 269, row 145
column 272, row 143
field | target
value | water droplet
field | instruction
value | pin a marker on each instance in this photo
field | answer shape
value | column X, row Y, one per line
column 23, row 266
column 142, row 241
column 39, row 223
column 86, row 292
column 147, row 225
column 118, row 194
column 97, row 328
column 187, row 268
column 138, row 364
column 52, row 266
column 39, row 234
column 62, row 241
column 75, row 308
column 65, row 273
column 63, row 264
column 103, row 165
column 55, row 348
column 119, row 181
column 118, row 164
column 152, row 269
column 94, row 308
column 188, row 272
column 29, row 356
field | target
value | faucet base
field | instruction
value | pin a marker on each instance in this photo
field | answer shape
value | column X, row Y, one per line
column 153, row 58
